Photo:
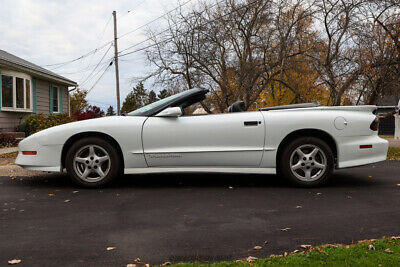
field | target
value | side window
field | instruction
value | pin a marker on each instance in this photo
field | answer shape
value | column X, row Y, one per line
column 55, row 99
column 16, row 91
column 7, row 91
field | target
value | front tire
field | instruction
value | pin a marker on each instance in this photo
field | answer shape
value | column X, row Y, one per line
column 307, row 162
column 93, row 162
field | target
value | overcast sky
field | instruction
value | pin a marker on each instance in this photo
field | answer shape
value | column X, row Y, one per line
column 48, row 32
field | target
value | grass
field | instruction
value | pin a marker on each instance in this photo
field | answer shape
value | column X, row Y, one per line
column 330, row 255
column 386, row 136
column 393, row 153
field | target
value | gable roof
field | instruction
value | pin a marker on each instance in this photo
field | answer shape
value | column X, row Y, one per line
column 17, row 63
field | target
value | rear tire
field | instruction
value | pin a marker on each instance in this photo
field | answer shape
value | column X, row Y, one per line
column 307, row 162
column 93, row 162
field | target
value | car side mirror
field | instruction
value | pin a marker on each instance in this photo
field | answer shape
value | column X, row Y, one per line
column 170, row 112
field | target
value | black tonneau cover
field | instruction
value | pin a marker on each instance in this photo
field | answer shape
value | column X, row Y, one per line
column 305, row 105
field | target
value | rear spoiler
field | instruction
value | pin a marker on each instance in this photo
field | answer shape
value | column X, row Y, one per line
column 305, row 105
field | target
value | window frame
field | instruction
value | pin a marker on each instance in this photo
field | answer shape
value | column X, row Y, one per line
column 24, row 77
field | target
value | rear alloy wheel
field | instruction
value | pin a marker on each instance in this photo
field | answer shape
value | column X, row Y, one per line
column 92, row 162
column 307, row 161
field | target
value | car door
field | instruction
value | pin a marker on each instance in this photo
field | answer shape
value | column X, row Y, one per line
column 218, row 140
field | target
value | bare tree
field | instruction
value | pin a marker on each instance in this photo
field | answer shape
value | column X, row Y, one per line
column 234, row 48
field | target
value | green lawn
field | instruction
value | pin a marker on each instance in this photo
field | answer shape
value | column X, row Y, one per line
column 393, row 153
column 385, row 252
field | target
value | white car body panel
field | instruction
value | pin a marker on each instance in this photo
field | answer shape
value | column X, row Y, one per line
column 215, row 142
column 206, row 140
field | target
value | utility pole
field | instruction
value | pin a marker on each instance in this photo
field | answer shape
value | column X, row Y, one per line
column 116, row 61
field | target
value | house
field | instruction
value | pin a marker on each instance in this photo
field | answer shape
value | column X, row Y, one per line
column 386, row 105
column 26, row 88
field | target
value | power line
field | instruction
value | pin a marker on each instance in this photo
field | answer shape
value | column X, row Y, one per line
column 95, row 75
column 168, row 39
column 85, row 69
column 160, row 17
column 98, row 64
column 98, row 43
column 62, row 64
column 133, row 9
column 101, row 76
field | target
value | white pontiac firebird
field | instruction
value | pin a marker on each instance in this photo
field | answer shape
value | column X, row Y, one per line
column 304, row 142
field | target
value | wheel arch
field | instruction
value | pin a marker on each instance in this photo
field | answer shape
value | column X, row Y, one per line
column 78, row 136
column 308, row 132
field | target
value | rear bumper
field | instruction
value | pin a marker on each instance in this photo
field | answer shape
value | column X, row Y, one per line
column 350, row 154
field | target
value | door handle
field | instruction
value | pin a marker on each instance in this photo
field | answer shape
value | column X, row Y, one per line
column 252, row 123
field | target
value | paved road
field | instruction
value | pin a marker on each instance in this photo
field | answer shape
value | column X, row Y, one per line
column 176, row 218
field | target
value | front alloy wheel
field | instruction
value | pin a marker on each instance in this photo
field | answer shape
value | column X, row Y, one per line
column 93, row 162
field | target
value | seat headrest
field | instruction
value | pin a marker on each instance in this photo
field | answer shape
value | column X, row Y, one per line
column 238, row 106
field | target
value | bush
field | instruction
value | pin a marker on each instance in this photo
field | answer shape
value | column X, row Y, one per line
column 91, row 112
column 37, row 122
column 7, row 140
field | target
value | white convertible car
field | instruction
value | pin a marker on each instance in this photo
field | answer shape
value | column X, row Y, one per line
column 304, row 142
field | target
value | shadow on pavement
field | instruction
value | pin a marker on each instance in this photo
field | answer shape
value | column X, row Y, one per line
column 342, row 179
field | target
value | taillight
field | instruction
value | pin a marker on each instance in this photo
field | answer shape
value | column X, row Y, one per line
column 375, row 125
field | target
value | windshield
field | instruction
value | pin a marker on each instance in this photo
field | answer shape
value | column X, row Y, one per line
column 156, row 104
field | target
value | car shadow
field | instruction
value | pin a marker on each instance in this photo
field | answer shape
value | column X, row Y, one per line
column 197, row 180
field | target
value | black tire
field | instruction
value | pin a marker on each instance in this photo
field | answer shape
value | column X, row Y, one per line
column 102, row 148
column 290, row 158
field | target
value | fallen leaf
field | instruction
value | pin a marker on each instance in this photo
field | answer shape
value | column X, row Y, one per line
column 166, row 263
column 388, row 251
column 111, row 248
column 319, row 193
column 147, row 265
column 258, row 247
column 265, row 242
column 51, row 195
column 21, row 210
column 251, row 258
column 15, row 261
column 298, row 207
column 131, row 265
column 67, row 200
column 395, row 237
column 398, row 184
column 306, row 246
column 370, row 176
column 137, row 260
column 349, row 197
column 285, row 254
column 74, row 192
column 296, row 250
column 285, row 229
column 230, row 187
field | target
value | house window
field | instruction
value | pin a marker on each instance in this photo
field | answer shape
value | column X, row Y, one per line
column 7, row 91
column 55, row 99
column 16, row 91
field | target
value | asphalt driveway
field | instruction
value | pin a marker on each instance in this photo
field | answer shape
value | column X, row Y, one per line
column 46, row 221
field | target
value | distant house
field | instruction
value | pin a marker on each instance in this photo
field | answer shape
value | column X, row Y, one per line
column 26, row 88
column 386, row 105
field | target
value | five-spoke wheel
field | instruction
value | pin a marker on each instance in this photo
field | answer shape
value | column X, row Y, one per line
column 93, row 162
column 307, row 161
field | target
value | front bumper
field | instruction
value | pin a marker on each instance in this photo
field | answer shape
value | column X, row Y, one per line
column 350, row 154
column 48, row 158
